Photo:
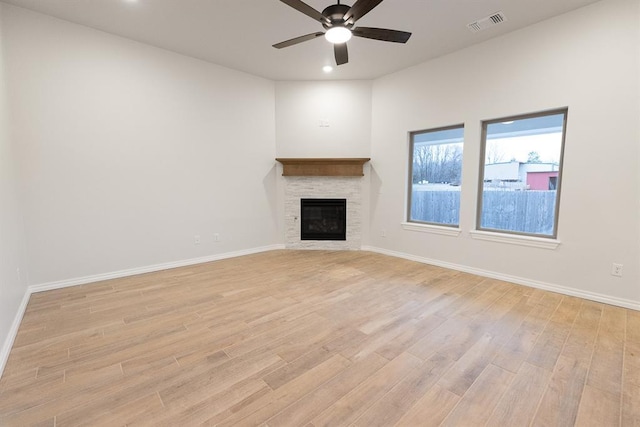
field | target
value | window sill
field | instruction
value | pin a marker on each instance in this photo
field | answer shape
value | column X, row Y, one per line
column 430, row 228
column 514, row 239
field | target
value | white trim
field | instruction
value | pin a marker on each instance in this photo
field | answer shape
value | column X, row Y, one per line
column 8, row 344
column 620, row 302
column 431, row 228
column 516, row 239
column 148, row 269
column 13, row 332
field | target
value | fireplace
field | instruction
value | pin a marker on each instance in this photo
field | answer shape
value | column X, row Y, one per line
column 323, row 187
column 323, row 219
column 324, row 178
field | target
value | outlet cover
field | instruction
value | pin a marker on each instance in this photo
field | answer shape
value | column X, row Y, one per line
column 616, row 270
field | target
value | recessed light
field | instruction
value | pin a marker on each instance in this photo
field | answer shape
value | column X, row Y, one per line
column 327, row 68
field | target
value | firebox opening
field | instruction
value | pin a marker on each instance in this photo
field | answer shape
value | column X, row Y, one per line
column 323, row 219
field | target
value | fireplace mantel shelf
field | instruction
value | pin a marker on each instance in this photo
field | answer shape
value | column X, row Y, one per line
column 351, row 166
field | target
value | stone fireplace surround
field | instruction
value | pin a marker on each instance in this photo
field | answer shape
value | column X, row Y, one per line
column 325, row 181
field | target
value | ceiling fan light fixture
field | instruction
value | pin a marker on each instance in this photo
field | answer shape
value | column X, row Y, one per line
column 338, row 21
column 338, row 35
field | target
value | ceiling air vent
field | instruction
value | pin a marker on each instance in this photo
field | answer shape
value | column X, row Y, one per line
column 489, row 21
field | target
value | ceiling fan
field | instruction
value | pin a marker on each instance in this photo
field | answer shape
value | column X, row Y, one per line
column 339, row 20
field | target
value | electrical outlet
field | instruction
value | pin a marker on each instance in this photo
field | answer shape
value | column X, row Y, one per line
column 616, row 269
column 196, row 239
column 216, row 237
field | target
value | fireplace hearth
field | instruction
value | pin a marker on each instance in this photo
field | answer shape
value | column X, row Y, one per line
column 323, row 219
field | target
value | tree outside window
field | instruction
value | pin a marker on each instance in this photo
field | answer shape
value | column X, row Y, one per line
column 436, row 175
column 521, row 195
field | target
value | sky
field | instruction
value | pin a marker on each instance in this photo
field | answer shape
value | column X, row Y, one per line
column 547, row 145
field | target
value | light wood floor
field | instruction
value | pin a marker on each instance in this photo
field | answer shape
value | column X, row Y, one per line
column 320, row 338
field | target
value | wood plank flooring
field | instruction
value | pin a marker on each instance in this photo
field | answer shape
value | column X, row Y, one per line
column 320, row 338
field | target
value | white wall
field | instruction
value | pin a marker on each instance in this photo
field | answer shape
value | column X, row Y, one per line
column 126, row 152
column 346, row 107
column 13, row 266
column 587, row 60
column 123, row 152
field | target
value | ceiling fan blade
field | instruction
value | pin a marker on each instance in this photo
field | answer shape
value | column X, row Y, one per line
column 382, row 34
column 341, row 52
column 297, row 40
column 307, row 10
column 360, row 8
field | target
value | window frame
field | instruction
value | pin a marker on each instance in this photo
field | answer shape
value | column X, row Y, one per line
column 426, row 224
column 483, row 147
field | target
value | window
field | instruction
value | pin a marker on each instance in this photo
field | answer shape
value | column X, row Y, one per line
column 520, row 174
column 435, row 175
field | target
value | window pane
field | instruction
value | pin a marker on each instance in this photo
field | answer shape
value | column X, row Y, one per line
column 521, row 174
column 436, row 176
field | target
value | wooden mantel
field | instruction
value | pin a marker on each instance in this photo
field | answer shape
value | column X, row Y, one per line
column 323, row 167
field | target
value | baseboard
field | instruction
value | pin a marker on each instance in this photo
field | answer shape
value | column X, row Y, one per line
column 592, row 296
column 13, row 332
column 147, row 269
column 8, row 344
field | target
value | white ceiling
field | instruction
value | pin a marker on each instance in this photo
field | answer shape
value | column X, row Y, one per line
column 239, row 33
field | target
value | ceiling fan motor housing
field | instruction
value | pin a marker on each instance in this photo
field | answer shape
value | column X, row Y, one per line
column 335, row 13
column 338, row 21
